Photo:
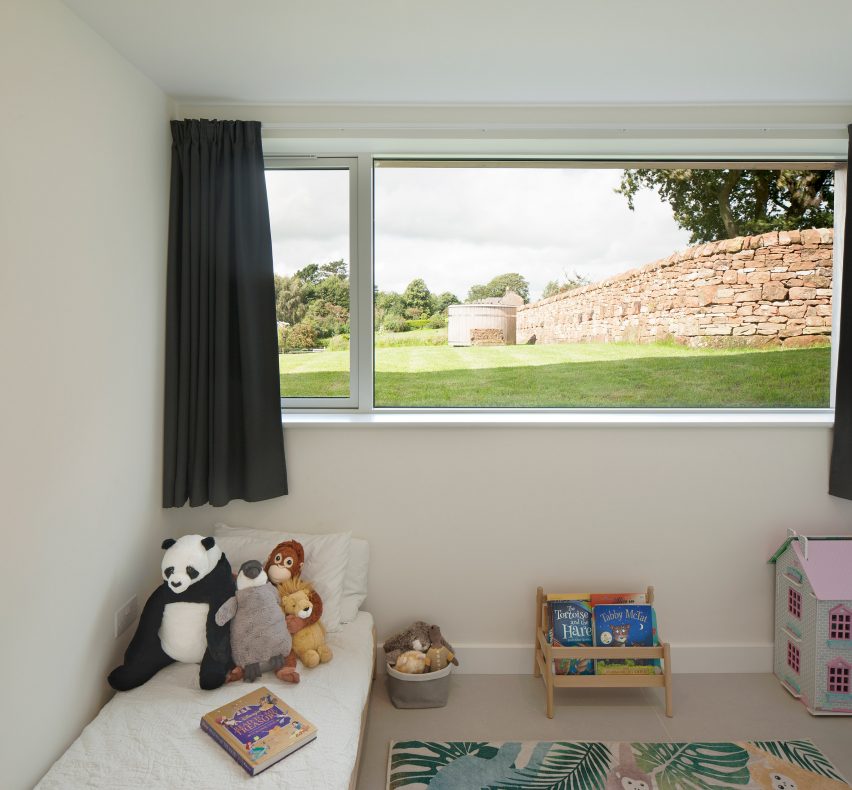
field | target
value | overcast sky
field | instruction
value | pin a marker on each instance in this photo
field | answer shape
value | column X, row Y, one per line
column 456, row 227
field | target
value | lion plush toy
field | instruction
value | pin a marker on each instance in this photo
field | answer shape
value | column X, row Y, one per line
column 302, row 608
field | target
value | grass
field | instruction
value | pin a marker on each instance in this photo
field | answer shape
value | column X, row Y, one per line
column 583, row 375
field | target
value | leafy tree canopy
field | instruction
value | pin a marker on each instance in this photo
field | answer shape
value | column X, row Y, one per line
column 417, row 296
column 511, row 281
column 719, row 204
column 291, row 299
column 314, row 273
column 444, row 300
column 334, row 289
column 389, row 302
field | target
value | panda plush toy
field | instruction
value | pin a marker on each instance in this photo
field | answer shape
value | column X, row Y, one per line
column 178, row 622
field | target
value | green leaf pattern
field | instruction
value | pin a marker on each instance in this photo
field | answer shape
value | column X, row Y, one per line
column 563, row 765
column 688, row 766
column 802, row 753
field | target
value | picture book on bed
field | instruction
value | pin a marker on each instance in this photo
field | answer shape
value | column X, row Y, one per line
column 258, row 729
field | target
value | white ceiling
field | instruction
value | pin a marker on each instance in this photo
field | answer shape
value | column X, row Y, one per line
column 485, row 51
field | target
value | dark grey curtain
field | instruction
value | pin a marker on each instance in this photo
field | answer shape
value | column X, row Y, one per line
column 223, row 437
column 840, row 477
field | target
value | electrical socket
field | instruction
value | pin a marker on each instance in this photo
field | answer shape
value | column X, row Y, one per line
column 126, row 616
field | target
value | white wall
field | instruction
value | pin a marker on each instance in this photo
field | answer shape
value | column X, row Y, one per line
column 464, row 523
column 84, row 153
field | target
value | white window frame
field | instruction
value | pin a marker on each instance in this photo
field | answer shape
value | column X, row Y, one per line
column 358, row 408
column 352, row 165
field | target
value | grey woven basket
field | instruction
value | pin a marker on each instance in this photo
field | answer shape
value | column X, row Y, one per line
column 429, row 690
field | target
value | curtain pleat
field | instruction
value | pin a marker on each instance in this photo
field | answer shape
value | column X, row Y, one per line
column 840, row 475
column 222, row 437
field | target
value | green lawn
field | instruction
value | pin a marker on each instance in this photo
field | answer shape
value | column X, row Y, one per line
column 573, row 375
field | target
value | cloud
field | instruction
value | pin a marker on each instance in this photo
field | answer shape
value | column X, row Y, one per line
column 456, row 227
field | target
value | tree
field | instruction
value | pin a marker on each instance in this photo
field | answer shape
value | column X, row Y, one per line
column 417, row 296
column 389, row 303
column 497, row 287
column 719, row 204
column 309, row 274
column 291, row 299
column 327, row 319
column 334, row 269
column 444, row 300
column 568, row 284
column 334, row 289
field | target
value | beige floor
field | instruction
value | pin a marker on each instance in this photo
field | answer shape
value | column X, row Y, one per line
column 511, row 707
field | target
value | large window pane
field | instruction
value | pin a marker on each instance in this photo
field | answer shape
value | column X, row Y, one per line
column 553, row 286
column 309, row 217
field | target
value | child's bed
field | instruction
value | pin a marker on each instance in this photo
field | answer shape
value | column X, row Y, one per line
column 151, row 737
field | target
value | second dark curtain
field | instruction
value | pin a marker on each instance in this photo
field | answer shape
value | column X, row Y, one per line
column 840, row 476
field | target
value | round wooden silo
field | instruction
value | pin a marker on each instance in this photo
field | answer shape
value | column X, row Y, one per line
column 464, row 317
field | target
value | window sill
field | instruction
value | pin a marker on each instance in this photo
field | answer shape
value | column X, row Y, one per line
column 549, row 419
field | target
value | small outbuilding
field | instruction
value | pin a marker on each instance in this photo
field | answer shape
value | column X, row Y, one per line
column 813, row 621
column 484, row 322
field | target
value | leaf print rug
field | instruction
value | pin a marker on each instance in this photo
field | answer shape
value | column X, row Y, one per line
column 581, row 765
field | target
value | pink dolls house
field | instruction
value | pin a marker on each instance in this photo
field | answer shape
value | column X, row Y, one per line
column 813, row 621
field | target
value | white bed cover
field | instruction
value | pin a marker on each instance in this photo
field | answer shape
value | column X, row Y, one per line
column 150, row 737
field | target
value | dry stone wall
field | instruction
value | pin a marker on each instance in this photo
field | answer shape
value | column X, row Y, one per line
column 752, row 290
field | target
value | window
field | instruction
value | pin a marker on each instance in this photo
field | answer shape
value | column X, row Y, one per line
column 794, row 602
column 840, row 623
column 311, row 205
column 552, row 284
column 793, row 657
column 838, row 676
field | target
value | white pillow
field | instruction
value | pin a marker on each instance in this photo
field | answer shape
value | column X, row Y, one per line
column 355, row 582
column 326, row 559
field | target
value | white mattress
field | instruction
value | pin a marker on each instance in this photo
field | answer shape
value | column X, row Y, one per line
column 150, row 737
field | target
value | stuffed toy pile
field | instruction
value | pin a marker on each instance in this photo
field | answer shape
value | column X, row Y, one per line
column 420, row 648
column 265, row 618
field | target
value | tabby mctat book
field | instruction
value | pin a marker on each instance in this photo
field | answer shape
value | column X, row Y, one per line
column 625, row 625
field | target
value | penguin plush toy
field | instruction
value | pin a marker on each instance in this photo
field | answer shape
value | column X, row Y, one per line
column 259, row 635
column 178, row 622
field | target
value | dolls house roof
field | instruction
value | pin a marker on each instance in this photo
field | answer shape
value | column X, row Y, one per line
column 826, row 561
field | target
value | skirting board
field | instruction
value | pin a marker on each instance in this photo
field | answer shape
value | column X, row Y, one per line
column 687, row 659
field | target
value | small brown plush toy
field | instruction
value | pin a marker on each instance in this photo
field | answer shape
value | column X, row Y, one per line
column 440, row 653
column 285, row 561
column 415, row 637
column 412, row 662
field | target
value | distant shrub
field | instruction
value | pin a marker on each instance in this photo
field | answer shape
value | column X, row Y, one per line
column 422, row 337
column 395, row 323
column 417, row 323
column 300, row 337
column 436, row 321
column 338, row 343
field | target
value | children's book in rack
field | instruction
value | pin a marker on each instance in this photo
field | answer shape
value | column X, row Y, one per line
column 545, row 653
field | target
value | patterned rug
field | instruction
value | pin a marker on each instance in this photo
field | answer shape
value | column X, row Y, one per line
column 579, row 765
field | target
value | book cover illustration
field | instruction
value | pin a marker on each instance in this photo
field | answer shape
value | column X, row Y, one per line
column 571, row 626
column 625, row 625
column 258, row 729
